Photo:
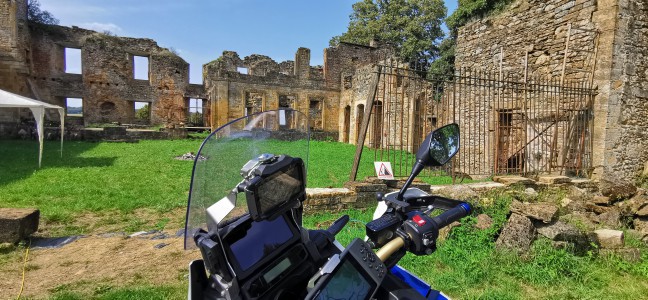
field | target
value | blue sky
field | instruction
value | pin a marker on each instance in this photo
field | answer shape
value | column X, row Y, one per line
column 200, row 30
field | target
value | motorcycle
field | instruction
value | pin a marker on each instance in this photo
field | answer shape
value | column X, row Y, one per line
column 256, row 248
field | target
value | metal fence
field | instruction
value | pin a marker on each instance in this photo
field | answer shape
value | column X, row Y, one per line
column 510, row 124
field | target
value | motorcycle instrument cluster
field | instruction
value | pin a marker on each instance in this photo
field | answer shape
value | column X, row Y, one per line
column 274, row 186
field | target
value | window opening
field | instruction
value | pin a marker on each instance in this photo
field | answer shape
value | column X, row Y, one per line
column 242, row 70
column 140, row 67
column 142, row 111
column 315, row 114
column 359, row 116
column 74, row 107
column 72, row 60
column 286, row 102
column 195, row 112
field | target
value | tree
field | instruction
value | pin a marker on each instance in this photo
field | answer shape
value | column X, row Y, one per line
column 144, row 113
column 413, row 27
column 35, row 14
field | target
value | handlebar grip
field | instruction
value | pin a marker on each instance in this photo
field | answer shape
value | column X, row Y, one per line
column 452, row 215
column 337, row 226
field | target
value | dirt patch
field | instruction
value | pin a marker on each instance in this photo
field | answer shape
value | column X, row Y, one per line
column 113, row 221
column 89, row 262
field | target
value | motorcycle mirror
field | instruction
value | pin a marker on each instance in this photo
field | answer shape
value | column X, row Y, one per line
column 439, row 146
column 436, row 150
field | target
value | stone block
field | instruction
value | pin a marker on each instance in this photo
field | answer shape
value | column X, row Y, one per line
column 641, row 225
column 601, row 200
column 564, row 232
column 611, row 218
column 609, row 239
column 458, row 192
column 544, row 212
column 617, row 190
column 586, row 184
column 17, row 223
column 517, row 234
column 485, row 186
column 362, row 187
column 554, row 179
column 637, row 205
column 510, row 180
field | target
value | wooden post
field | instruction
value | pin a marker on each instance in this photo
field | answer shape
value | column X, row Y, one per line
column 365, row 123
column 562, row 74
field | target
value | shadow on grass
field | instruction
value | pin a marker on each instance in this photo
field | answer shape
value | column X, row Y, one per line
column 19, row 159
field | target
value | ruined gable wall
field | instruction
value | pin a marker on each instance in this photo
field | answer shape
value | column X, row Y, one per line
column 107, row 83
column 341, row 61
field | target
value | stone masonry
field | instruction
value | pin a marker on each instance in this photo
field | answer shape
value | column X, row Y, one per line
column 606, row 45
column 32, row 63
column 239, row 87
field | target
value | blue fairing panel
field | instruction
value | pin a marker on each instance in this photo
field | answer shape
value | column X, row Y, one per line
column 418, row 284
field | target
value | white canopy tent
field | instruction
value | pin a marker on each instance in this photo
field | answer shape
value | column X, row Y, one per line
column 8, row 99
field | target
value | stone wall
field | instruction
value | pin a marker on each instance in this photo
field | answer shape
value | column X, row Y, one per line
column 538, row 28
column 605, row 48
column 240, row 87
column 626, row 123
column 107, row 84
column 32, row 63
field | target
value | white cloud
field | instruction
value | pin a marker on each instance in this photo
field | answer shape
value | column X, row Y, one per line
column 101, row 27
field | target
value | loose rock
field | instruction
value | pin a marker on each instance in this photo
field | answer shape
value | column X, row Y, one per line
column 617, row 190
column 601, row 200
column 628, row 254
column 517, row 234
column 563, row 232
column 544, row 212
column 609, row 239
column 459, row 192
column 611, row 218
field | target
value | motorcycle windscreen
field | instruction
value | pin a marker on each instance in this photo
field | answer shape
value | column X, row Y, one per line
column 221, row 156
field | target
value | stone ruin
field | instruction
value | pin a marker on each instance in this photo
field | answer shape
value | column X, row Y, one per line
column 32, row 63
column 600, row 42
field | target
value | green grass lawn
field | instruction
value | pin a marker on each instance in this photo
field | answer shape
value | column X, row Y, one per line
column 116, row 179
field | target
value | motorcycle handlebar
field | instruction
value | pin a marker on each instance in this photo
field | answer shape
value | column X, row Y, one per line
column 442, row 220
column 451, row 215
column 386, row 251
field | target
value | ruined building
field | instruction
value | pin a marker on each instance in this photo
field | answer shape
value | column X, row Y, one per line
column 600, row 43
column 32, row 63
column 560, row 75
column 238, row 87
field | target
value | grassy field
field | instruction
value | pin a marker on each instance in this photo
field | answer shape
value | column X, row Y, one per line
column 107, row 182
column 105, row 187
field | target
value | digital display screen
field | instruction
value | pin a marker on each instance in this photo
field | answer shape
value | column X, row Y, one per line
column 278, row 269
column 279, row 188
column 260, row 240
column 348, row 282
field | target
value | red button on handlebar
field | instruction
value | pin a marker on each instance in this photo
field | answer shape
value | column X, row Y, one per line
column 418, row 220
